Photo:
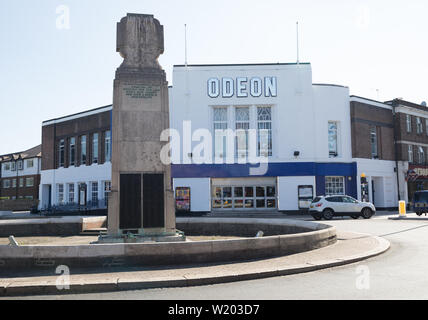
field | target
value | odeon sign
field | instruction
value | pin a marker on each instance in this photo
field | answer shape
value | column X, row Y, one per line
column 242, row 87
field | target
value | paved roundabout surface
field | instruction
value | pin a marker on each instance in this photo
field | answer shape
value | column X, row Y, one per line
column 399, row 273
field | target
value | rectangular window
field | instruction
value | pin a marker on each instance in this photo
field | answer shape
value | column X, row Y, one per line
column 83, row 150
column 107, row 190
column 7, row 166
column 107, row 146
column 71, row 193
column 95, row 148
column 408, row 123
column 72, row 151
column 29, row 197
column 61, row 153
column 419, row 128
column 14, row 183
column 264, row 131
column 20, row 165
column 410, row 153
column 21, row 182
column 242, row 125
column 30, row 182
column 220, row 125
column 421, row 155
column 332, row 139
column 60, row 193
column 426, row 126
column 94, row 193
column 334, row 186
column 373, row 142
column 30, row 163
column 13, row 166
column 6, row 184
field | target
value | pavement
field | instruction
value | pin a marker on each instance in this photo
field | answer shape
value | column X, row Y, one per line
column 351, row 247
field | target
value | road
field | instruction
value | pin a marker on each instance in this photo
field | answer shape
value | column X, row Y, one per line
column 400, row 273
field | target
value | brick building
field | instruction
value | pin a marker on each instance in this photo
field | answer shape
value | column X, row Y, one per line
column 20, row 176
column 76, row 166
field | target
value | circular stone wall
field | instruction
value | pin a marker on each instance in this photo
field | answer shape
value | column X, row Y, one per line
column 282, row 237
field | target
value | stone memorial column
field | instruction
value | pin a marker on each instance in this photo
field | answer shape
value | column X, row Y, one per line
column 141, row 203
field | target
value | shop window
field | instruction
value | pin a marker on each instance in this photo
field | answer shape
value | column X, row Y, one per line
column 334, row 185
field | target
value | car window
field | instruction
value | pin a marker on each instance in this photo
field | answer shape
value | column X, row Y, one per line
column 317, row 199
column 348, row 200
column 334, row 199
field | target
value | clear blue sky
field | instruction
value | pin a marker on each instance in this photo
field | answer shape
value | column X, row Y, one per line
column 48, row 73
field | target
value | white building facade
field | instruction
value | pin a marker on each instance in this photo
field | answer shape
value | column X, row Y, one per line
column 300, row 131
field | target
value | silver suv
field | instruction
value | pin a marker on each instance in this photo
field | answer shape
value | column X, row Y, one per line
column 329, row 206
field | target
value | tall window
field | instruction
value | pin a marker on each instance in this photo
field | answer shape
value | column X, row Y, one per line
column 264, row 131
column 21, row 182
column 373, row 142
column 410, row 153
column 94, row 193
column 107, row 146
column 14, row 183
column 220, row 125
column 71, row 193
column 107, row 190
column 83, row 150
column 242, row 124
column 7, row 166
column 421, row 155
column 60, row 193
column 426, row 126
column 334, row 185
column 332, row 139
column 408, row 123
column 20, row 165
column 61, row 154
column 13, row 166
column 95, row 148
column 419, row 128
column 72, row 152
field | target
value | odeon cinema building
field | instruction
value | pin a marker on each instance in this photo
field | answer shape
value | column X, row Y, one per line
column 289, row 139
column 245, row 137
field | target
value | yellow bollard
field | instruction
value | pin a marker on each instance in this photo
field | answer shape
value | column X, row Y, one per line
column 402, row 208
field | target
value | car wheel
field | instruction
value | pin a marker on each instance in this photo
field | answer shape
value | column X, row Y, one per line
column 367, row 213
column 355, row 216
column 317, row 216
column 328, row 214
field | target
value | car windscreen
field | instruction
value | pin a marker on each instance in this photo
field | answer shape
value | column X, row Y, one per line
column 421, row 197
